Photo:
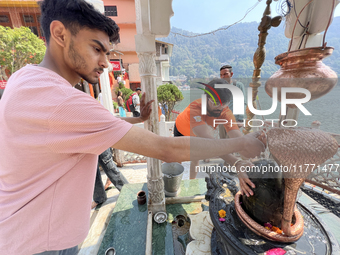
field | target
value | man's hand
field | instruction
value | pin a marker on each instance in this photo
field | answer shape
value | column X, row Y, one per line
column 252, row 146
column 245, row 182
column 144, row 113
column 145, row 109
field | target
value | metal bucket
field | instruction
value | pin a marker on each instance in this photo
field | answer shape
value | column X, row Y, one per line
column 172, row 177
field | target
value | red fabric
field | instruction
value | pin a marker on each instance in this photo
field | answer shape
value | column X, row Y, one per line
column 129, row 102
column 112, row 79
column 91, row 90
column 126, row 76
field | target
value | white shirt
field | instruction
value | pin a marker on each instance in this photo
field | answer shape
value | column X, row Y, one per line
column 136, row 102
column 100, row 98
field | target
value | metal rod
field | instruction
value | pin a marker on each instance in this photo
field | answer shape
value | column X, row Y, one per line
column 258, row 59
column 184, row 200
column 336, row 191
column 148, row 248
column 329, row 22
column 291, row 41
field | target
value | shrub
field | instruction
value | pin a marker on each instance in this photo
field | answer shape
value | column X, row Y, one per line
column 168, row 95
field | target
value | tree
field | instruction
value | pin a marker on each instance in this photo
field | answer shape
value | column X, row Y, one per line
column 168, row 95
column 18, row 47
column 120, row 87
column 126, row 93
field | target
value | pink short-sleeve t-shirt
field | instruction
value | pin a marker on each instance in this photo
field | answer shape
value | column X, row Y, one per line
column 50, row 137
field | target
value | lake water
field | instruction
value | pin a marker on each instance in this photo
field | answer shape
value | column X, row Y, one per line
column 325, row 109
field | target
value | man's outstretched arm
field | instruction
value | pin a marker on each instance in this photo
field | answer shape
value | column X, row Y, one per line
column 181, row 149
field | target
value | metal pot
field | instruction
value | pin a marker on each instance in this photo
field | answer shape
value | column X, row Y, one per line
column 303, row 69
column 172, row 177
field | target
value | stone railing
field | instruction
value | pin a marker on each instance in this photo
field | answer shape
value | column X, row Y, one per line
column 125, row 157
column 327, row 176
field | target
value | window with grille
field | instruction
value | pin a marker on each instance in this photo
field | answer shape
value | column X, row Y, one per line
column 5, row 20
column 110, row 10
column 164, row 49
column 28, row 18
column 32, row 20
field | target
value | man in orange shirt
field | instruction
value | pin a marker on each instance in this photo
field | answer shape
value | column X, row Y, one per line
column 191, row 122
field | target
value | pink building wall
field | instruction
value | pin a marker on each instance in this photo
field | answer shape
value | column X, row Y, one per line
column 127, row 38
column 126, row 13
column 126, row 20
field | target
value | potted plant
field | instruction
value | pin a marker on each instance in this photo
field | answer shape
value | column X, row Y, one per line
column 115, row 106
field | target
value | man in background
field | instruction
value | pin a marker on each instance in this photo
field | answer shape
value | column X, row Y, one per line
column 136, row 102
column 191, row 122
column 226, row 73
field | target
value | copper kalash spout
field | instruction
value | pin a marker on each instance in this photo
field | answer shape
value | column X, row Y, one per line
column 297, row 151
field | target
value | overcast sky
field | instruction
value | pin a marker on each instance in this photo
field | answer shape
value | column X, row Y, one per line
column 202, row 16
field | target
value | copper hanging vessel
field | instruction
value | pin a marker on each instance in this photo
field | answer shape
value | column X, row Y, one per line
column 303, row 68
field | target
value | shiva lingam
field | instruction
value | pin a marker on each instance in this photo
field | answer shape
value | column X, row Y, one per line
column 295, row 151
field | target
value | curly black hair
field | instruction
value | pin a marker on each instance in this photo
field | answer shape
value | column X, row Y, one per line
column 75, row 15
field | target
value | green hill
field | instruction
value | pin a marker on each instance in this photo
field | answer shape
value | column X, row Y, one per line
column 201, row 57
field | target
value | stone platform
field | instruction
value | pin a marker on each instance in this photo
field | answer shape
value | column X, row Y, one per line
column 121, row 222
column 126, row 231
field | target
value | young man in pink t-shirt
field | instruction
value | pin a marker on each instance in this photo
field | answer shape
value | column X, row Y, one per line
column 51, row 135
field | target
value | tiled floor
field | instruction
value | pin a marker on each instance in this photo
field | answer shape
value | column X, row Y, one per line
column 126, row 231
column 99, row 221
column 134, row 173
